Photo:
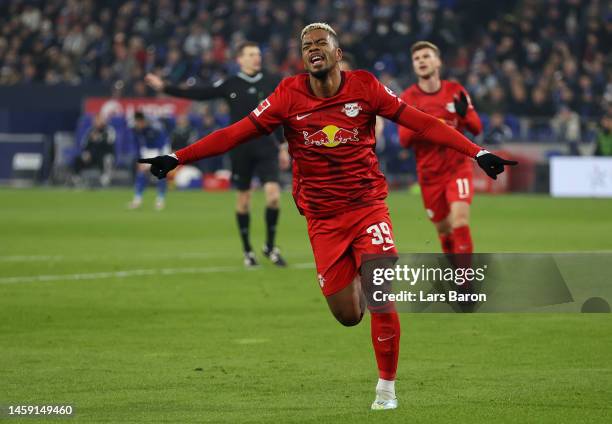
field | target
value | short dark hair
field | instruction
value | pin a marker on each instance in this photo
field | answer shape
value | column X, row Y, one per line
column 139, row 115
column 324, row 27
column 244, row 45
column 420, row 45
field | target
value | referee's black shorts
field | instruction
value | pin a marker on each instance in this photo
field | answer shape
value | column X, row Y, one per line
column 257, row 157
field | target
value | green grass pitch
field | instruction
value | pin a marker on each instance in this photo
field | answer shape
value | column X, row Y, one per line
column 144, row 316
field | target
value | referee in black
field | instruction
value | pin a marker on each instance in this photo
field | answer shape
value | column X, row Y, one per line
column 243, row 92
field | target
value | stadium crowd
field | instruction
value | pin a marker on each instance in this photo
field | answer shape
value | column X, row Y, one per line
column 549, row 60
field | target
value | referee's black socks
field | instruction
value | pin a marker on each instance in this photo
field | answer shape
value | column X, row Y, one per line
column 243, row 220
column 271, row 220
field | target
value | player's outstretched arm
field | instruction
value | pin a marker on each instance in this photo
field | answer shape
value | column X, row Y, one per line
column 430, row 129
column 216, row 143
column 195, row 93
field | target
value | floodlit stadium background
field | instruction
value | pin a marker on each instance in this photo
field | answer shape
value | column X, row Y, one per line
column 538, row 71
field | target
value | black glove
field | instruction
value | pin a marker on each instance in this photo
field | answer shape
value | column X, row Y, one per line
column 461, row 104
column 492, row 164
column 161, row 165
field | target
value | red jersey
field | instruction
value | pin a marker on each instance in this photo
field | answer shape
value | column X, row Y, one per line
column 331, row 140
column 435, row 162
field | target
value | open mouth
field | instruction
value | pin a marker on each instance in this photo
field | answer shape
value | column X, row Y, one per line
column 316, row 58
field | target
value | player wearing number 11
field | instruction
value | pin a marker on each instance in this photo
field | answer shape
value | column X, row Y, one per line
column 445, row 175
column 328, row 117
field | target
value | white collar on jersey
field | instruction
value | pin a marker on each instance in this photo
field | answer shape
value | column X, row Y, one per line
column 252, row 79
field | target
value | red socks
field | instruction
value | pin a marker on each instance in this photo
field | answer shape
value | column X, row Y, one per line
column 446, row 240
column 458, row 241
column 385, row 339
column 462, row 240
column 462, row 248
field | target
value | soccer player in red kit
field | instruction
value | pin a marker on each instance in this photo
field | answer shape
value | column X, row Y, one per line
column 445, row 175
column 328, row 117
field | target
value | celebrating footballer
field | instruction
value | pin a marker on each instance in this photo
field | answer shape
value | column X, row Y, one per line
column 328, row 117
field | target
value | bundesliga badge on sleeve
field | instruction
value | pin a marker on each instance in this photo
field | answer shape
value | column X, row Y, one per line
column 351, row 109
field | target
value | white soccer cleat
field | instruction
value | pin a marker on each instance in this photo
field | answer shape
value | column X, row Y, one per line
column 380, row 404
column 160, row 204
column 135, row 204
column 385, row 395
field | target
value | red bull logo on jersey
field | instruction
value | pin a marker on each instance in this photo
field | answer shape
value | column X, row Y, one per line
column 330, row 136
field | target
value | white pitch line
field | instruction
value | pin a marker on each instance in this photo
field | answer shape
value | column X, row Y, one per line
column 130, row 273
column 30, row 258
column 114, row 274
column 41, row 258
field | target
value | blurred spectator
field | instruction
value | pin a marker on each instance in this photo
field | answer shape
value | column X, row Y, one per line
column 539, row 109
column 498, row 131
column 540, row 105
column 518, row 101
column 604, row 137
column 588, row 107
column 97, row 153
column 197, row 41
column 566, row 126
column 183, row 134
column 495, row 101
column 209, row 124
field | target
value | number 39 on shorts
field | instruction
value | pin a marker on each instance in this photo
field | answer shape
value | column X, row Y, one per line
column 381, row 233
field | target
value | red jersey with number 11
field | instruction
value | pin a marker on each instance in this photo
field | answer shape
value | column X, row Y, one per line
column 435, row 162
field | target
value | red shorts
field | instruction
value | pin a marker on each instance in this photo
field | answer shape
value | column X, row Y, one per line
column 339, row 242
column 437, row 197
